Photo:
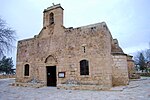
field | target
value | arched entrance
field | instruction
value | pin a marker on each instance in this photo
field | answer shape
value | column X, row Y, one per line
column 51, row 71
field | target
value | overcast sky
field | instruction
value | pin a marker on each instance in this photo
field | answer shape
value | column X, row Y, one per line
column 127, row 20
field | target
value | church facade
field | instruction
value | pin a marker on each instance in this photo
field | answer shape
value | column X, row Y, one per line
column 85, row 57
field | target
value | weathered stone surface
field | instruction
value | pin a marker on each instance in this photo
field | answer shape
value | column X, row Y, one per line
column 64, row 48
column 7, row 76
column 131, row 68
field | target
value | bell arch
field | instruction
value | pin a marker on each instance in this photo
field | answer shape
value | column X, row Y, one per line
column 51, row 18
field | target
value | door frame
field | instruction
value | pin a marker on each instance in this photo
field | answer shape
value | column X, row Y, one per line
column 47, row 76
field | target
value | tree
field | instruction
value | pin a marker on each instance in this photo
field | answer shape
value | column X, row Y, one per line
column 7, row 37
column 141, row 62
column 6, row 65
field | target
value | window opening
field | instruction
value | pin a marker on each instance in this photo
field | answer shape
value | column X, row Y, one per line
column 26, row 70
column 84, row 67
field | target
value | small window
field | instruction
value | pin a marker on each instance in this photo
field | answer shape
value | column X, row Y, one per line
column 84, row 67
column 26, row 70
column 51, row 18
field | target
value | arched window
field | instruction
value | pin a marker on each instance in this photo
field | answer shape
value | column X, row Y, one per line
column 84, row 67
column 51, row 18
column 26, row 70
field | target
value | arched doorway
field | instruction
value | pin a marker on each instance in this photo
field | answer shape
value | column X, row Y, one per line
column 51, row 71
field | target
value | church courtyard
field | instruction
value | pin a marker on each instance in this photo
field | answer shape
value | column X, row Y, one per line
column 136, row 90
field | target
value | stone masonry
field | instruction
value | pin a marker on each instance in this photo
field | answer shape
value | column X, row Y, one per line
column 104, row 63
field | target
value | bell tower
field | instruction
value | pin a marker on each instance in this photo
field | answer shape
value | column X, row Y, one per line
column 53, row 16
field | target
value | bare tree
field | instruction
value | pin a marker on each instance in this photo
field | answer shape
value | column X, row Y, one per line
column 142, row 58
column 147, row 54
column 7, row 37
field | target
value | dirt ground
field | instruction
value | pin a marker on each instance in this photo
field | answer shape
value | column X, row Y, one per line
column 136, row 90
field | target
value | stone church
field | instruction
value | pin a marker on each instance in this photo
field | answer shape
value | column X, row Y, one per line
column 85, row 57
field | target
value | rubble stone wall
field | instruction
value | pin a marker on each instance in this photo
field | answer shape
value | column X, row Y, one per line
column 7, row 76
column 120, row 70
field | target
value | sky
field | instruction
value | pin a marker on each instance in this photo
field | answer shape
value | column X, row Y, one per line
column 127, row 20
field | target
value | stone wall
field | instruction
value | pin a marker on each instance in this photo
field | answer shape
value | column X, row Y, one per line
column 96, row 40
column 7, row 76
column 25, row 55
column 131, row 67
column 120, row 69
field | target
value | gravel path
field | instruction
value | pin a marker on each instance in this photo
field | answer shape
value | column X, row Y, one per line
column 137, row 90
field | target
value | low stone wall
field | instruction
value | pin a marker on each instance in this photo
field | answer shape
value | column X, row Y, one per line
column 7, row 76
column 144, row 74
column 135, row 76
